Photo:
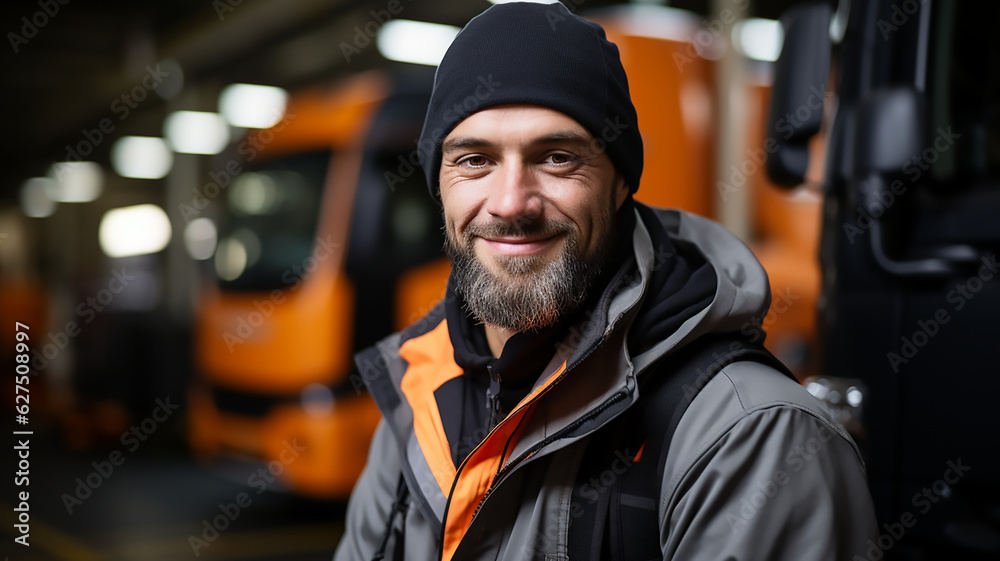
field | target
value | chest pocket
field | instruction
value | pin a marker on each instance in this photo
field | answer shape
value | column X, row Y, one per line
column 618, row 519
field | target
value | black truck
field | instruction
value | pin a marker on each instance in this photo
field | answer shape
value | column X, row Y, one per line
column 910, row 305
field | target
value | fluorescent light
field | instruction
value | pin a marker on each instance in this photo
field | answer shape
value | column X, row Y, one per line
column 532, row 1
column 35, row 199
column 252, row 106
column 143, row 157
column 758, row 39
column 254, row 193
column 196, row 132
column 76, row 182
column 230, row 259
column 416, row 42
column 200, row 238
column 134, row 230
column 250, row 242
column 658, row 22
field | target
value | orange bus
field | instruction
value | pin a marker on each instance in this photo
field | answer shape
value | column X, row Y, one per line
column 326, row 223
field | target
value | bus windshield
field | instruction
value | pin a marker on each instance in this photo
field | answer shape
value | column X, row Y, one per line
column 270, row 221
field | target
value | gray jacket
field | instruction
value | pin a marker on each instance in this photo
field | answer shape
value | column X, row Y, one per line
column 755, row 470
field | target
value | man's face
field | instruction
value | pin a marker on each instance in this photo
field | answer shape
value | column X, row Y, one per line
column 529, row 206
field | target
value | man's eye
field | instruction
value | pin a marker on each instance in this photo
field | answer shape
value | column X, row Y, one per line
column 473, row 161
column 559, row 158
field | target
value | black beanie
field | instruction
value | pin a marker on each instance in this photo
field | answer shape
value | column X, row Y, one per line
column 537, row 54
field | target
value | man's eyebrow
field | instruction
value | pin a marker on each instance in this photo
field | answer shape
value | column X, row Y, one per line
column 467, row 142
column 464, row 143
column 570, row 136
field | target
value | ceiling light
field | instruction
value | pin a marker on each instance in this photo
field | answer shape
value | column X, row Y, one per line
column 416, row 42
column 200, row 238
column 134, row 230
column 252, row 106
column 35, row 199
column 196, row 132
column 76, row 182
column 143, row 157
column 758, row 39
column 230, row 259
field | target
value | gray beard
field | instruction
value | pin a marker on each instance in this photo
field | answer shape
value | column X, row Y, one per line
column 527, row 295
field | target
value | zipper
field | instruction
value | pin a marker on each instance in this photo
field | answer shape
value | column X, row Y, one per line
column 493, row 404
column 512, row 465
column 593, row 349
column 504, row 470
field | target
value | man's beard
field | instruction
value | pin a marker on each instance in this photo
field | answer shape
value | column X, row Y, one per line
column 528, row 294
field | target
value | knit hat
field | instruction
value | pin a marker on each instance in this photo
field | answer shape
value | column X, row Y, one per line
column 537, row 54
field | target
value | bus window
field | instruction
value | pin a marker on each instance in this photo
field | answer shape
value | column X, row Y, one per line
column 270, row 222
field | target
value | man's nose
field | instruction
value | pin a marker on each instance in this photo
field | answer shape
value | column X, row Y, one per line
column 515, row 194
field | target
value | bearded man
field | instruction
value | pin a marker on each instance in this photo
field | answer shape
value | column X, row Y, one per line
column 582, row 391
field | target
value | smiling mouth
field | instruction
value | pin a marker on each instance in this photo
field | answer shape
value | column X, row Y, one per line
column 515, row 246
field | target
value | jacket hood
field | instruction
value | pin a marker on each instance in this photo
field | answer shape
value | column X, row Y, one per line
column 740, row 292
column 681, row 284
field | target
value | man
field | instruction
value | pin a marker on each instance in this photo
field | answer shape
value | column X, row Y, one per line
column 522, row 415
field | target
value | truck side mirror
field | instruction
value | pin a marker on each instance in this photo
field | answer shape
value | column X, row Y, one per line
column 799, row 89
column 890, row 132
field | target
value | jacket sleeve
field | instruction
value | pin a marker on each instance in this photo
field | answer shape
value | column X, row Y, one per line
column 781, row 483
column 372, row 498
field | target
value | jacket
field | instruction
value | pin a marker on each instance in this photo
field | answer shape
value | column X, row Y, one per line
column 756, row 469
